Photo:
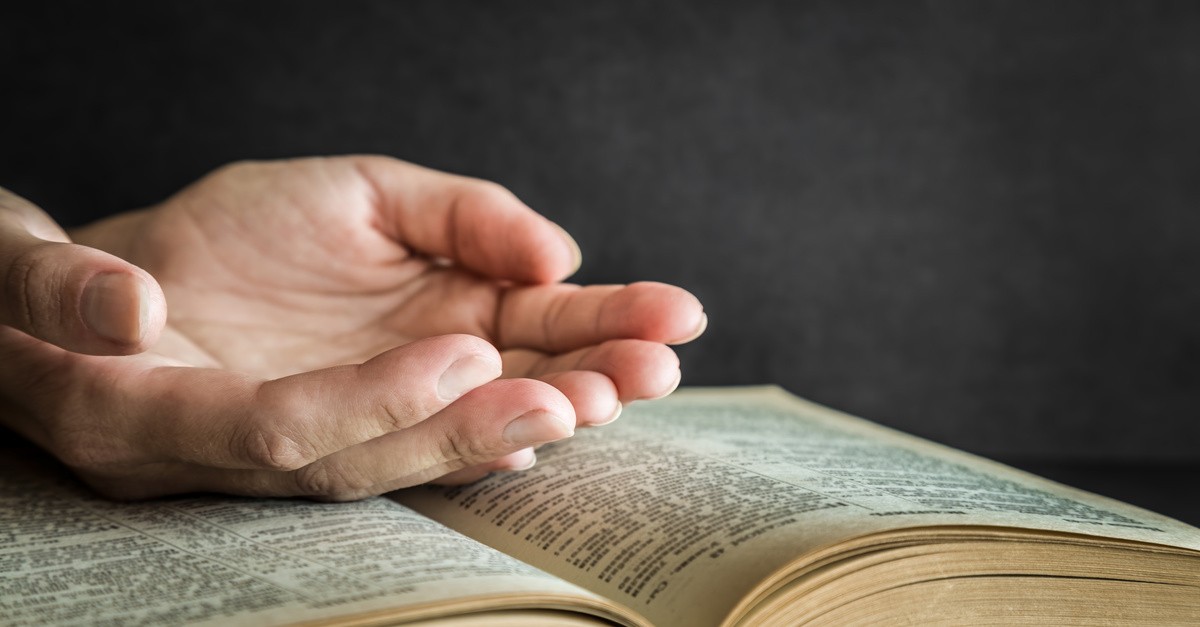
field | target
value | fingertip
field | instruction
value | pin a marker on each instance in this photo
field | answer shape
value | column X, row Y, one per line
column 438, row 353
column 674, row 385
column 477, row 224
column 514, row 241
column 661, row 312
column 523, row 459
column 474, row 345
column 542, row 396
column 641, row 370
column 699, row 330
column 423, row 377
column 540, row 412
column 593, row 395
column 153, row 314
column 574, row 253
column 479, row 364
column 82, row 299
column 516, row 461
column 123, row 309
column 543, row 253
column 611, row 417
column 538, row 427
column 76, row 297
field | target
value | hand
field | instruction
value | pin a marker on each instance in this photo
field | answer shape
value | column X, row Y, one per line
column 338, row 328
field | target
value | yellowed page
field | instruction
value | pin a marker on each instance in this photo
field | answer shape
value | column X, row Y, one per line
column 684, row 505
column 70, row 558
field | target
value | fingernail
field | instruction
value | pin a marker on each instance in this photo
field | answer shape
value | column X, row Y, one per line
column 576, row 253
column 465, row 375
column 537, row 427
column 117, row 307
column 697, row 333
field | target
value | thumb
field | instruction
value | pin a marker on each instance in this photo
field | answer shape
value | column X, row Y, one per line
column 79, row 298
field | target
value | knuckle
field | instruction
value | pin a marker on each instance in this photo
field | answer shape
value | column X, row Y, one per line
column 460, row 450
column 401, row 412
column 271, row 437
column 332, row 482
column 452, row 466
column 313, row 480
column 24, row 288
column 271, row 449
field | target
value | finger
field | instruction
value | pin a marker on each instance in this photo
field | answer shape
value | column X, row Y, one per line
column 490, row 423
column 639, row 369
column 216, row 418
column 593, row 395
column 471, row 222
column 78, row 298
column 154, row 480
column 523, row 459
column 560, row 318
column 494, row 421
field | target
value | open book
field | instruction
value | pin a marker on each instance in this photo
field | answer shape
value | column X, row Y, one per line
column 742, row 506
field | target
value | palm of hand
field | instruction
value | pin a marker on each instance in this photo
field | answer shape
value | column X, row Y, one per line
column 291, row 272
column 298, row 268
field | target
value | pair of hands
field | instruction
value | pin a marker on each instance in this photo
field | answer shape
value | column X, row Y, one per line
column 338, row 328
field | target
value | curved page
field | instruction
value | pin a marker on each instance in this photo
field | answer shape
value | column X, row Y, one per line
column 685, row 505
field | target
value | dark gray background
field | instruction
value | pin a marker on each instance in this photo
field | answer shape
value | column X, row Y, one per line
column 975, row 221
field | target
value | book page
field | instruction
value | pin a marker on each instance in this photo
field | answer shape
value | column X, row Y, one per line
column 685, row 504
column 68, row 557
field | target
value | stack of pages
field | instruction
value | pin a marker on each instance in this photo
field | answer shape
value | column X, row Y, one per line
column 740, row 506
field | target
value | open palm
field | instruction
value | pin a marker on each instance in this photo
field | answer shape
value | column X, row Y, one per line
column 322, row 307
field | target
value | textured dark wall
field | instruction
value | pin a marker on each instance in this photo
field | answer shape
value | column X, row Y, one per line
column 976, row 221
